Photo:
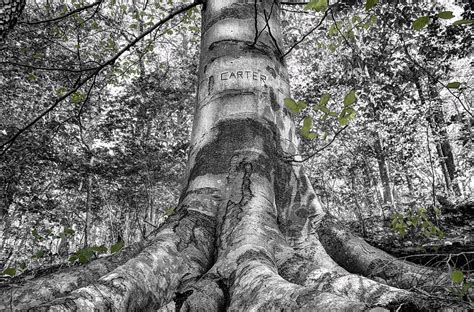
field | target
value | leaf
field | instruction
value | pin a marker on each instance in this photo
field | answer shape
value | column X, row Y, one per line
column 333, row 30
column 169, row 212
column 38, row 255
column 307, row 123
column 294, row 106
column 9, row 271
column 310, row 135
column 324, row 99
column 69, row 232
column 73, row 258
column 116, row 247
column 445, row 14
column 332, row 47
column 35, row 234
column 32, row 77
column 463, row 22
column 317, row 5
column 350, row 98
column 420, row 22
column 77, row 97
column 457, row 277
column 370, row 4
column 99, row 249
column 453, row 85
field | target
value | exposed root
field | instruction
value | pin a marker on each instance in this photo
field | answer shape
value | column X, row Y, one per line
column 205, row 295
column 182, row 252
column 357, row 256
column 26, row 291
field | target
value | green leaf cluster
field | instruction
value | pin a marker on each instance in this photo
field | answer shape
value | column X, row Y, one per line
column 317, row 5
column 294, row 106
column 414, row 223
column 85, row 255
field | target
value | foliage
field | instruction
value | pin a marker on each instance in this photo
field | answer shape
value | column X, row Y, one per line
column 413, row 223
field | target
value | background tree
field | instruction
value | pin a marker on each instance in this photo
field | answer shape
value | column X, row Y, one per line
column 112, row 143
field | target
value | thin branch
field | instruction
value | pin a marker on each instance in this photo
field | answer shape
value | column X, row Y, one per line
column 322, row 148
column 432, row 76
column 307, row 34
column 5, row 146
column 65, row 69
column 78, row 10
column 293, row 3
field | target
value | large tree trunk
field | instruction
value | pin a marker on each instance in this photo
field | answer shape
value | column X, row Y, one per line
column 249, row 233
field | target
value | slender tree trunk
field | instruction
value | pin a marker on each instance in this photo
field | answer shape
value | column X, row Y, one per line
column 383, row 171
column 443, row 146
column 249, row 233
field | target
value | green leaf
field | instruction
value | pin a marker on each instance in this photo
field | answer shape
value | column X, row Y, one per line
column 294, row 106
column 169, row 212
column 324, row 99
column 73, row 258
column 99, row 249
column 463, row 22
column 350, row 98
column 116, row 247
column 457, row 277
column 420, row 22
column 309, row 135
column 69, row 232
column 78, row 97
column 332, row 47
column 38, row 255
column 370, row 4
column 32, row 77
column 333, row 30
column 9, row 271
column 317, row 5
column 454, row 85
column 307, row 123
column 35, row 234
column 356, row 19
column 445, row 14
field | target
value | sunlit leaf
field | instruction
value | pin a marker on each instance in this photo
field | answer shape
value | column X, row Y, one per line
column 350, row 98
column 370, row 4
column 9, row 271
column 463, row 22
column 457, row 276
column 454, row 85
column 317, row 5
column 116, row 247
column 445, row 15
column 421, row 22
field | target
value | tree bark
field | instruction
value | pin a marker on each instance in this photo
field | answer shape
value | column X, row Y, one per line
column 383, row 170
column 249, row 233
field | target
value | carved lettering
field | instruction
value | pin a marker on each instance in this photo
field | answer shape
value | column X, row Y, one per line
column 244, row 74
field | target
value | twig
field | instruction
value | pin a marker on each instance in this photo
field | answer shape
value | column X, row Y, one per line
column 307, row 34
column 322, row 148
column 5, row 146
column 65, row 15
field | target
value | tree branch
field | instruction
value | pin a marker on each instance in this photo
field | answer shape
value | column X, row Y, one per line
column 78, row 10
column 5, row 146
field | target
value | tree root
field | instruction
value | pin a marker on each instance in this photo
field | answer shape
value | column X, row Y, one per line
column 182, row 252
column 357, row 256
column 36, row 287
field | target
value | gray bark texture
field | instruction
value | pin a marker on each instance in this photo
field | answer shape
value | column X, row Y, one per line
column 249, row 233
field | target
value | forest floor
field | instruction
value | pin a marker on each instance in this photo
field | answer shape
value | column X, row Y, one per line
column 454, row 249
